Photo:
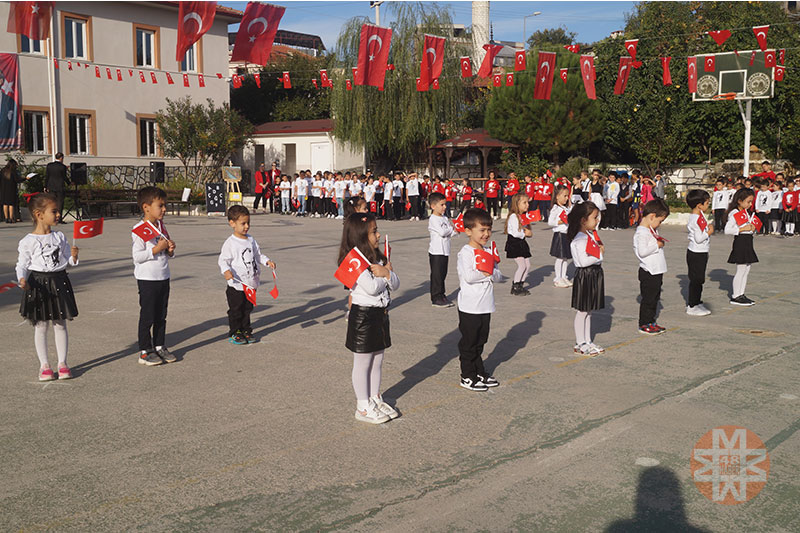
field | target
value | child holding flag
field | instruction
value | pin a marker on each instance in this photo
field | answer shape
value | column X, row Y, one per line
column 441, row 229
column 517, row 247
column 648, row 246
column 238, row 261
column 741, row 225
column 42, row 275
column 588, row 291
column 152, row 249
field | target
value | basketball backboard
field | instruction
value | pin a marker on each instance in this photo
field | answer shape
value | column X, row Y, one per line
column 730, row 76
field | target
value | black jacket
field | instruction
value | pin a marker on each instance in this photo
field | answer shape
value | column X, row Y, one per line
column 56, row 176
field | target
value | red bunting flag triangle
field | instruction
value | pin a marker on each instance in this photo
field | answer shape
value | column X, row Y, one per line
column 720, row 36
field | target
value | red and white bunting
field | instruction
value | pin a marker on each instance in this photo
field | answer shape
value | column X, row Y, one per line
column 563, row 74
column 520, row 60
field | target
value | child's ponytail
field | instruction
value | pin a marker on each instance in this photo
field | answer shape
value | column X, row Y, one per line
column 576, row 217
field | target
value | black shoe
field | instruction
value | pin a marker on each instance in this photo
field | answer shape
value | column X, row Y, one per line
column 742, row 300
column 442, row 303
column 489, row 381
column 474, row 385
column 164, row 354
column 748, row 300
column 249, row 336
column 150, row 358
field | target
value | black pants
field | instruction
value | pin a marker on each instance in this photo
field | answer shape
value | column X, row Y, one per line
column 474, row 334
column 719, row 217
column 398, row 207
column 623, row 220
column 378, row 205
column 493, row 206
column 650, row 290
column 239, row 309
column 153, row 300
column 438, row 274
column 696, row 261
column 764, row 218
column 415, row 203
column 60, row 200
column 611, row 215
column 465, row 204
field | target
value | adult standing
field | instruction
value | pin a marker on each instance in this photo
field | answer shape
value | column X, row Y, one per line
column 263, row 186
column 56, row 180
column 274, row 175
column 9, row 197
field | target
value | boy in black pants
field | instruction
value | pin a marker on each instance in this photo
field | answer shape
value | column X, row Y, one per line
column 648, row 246
column 697, row 253
column 441, row 229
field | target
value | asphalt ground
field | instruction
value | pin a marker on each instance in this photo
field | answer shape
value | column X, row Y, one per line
column 262, row 437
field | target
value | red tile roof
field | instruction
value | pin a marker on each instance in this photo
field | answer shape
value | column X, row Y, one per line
column 476, row 138
column 295, row 126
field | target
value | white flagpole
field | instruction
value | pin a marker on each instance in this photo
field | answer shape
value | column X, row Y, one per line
column 52, row 88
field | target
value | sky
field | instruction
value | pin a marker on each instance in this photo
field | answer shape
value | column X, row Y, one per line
column 591, row 21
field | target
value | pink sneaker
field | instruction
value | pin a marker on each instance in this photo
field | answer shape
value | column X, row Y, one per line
column 63, row 372
column 46, row 375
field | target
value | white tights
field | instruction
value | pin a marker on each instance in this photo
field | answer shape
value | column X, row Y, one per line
column 740, row 279
column 561, row 268
column 366, row 377
column 583, row 328
column 523, row 265
column 790, row 227
column 40, row 340
column 776, row 224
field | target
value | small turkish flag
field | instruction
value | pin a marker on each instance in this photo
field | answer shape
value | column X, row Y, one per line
column 630, row 46
column 484, row 261
column 435, row 84
column 530, row 216
column 520, row 60
column 250, row 293
column 757, row 224
column 235, row 80
column 692, row 73
column 592, row 248
column 702, row 223
column 741, row 218
column 761, row 36
column 354, row 69
column 779, row 72
column 202, row 81
column 145, row 231
column 373, row 207
column 169, row 79
column 256, row 33
column 408, row 206
column 597, row 237
column 495, row 253
column 709, row 64
column 287, row 81
column 108, row 73
column 5, row 286
column 119, row 75
column 563, row 74
column 274, row 291
column 314, row 81
column 141, row 77
column 752, row 58
column 574, row 48
column 781, row 56
column 544, row 76
column 373, row 54
column 488, row 60
column 390, row 67
column 720, row 36
column 87, row 229
column 588, row 75
column 769, row 59
column 623, row 72
column 326, row 81
column 466, row 67
column 348, row 85
column 510, row 79
column 420, row 87
column 219, row 75
column 153, row 78
column 497, row 80
column 563, row 217
column 387, row 250
column 194, row 19
column 666, row 76
column 130, row 72
column 353, row 264
column 458, row 223
column 96, row 72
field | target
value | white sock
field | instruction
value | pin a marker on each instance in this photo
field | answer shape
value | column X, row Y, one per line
column 158, row 347
column 790, row 227
column 587, row 328
column 62, row 340
column 40, row 341
column 740, row 280
column 564, row 265
column 580, row 335
column 774, row 224
column 557, row 269
column 362, row 405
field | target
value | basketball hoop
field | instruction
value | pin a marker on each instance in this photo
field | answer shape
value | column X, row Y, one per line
column 724, row 96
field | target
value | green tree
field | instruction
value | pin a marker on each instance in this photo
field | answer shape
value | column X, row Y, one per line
column 201, row 137
column 551, row 36
column 399, row 123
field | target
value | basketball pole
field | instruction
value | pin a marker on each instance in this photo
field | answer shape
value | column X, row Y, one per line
column 746, row 113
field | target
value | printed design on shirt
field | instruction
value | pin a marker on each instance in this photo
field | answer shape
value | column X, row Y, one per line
column 50, row 254
column 250, row 263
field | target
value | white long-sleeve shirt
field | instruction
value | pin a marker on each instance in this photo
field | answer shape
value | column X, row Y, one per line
column 732, row 228
column 776, row 199
column 651, row 256
column 441, row 230
column 372, row 291
column 476, row 294
column 719, row 200
column 514, row 228
column 43, row 253
column 146, row 266
column 763, row 201
column 698, row 239
column 579, row 256
column 242, row 257
column 554, row 218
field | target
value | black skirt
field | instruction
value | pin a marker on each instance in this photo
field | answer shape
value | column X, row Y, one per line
column 775, row 214
column 559, row 246
column 517, row 247
column 368, row 329
column 789, row 217
column 588, row 289
column 48, row 296
column 742, row 252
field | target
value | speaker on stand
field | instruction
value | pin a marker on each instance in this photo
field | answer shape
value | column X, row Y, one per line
column 157, row 171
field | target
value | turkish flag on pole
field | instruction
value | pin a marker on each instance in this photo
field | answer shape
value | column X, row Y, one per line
column 692, row 73
column 274, row 291
column 495, row 253
column 87, row 229
column 458, row 223
column 588, row 75
column 250, row 293
column 544, row 76
column 432, row 59
column 630, row 47
column 31, row 19
column 373, row 54
column 387, row 250
column 466, row 67
column 520, row 60
column 287, row 82
column 484, row 262
column 592, row 248
column 709, row 64
column 530, row 216
column 510, row 79
column 256, row 33
column 769, row 59
column 666, row 76
column 623, row 72
column 146, row 231
column 353, row 264
column 720, row 36
column 741, row 218
column 761, row 36
column 779, row 72
column 488, row 60
column 563, row 74
column 194, row 19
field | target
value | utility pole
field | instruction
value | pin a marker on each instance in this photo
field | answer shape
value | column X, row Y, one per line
column 377, row 5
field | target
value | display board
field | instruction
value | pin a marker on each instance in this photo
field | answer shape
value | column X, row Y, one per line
column 215, row 198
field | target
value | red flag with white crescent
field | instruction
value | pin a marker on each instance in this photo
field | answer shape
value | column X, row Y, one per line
column 691, row 69
column 510, row 79
column 274, row 291
column 201, row 80
column 420, row 88
column 169, row 79
column 666, row 76
column 142, row 78
column 488, row 60
column 257, row 77
column 769, row 59
column 630, row 47
column 119, row 75
column 563, row 74
column 466, row 67
column 257, row 32
column 194, row 20
column 108, row 73
column 761, row 36
column 87, row 228
column 250, row 293
column 145, row 231
column 435, row 84
column 544, row 76
column 236, row 80
column 153, row 77
column 781, row 55
column 520, row 60
column 314, row 81
column 353, row 264
column 373, row 55
column 709, row 64
column 779, row 72
column 752, row 57
column 348, row 85
column 623, row 71
column 588, row 76
column 497, row 80
column 432, row 59
column 96, row 71
column 484, row 261
column 287, row 82
column 323, row 76
column 574, row 48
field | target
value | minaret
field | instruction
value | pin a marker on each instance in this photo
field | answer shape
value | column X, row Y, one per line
column 480, row 29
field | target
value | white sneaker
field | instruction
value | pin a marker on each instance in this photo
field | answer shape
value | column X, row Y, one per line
column 705, row 309
column 591, row 349
column 385, row 408
column 569, row 282
column 371, row 415
column 561, row 283
column 697, row 310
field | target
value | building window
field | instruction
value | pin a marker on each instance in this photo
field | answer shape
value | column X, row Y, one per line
column 75, row 38
column 146, row 46
column 189, row 63
column 147, row 137
column 29, row 46
column 35, row 125
column 80, row 134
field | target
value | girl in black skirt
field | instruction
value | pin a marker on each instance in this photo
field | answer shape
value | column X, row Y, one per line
column 47, row 293
column 516, row 246
column 588, row 291
column 740, row 224
column 368, row 322
column 559, row 246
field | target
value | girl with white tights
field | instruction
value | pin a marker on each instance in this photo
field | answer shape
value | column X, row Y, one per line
column 559, row 246
column 740, row 225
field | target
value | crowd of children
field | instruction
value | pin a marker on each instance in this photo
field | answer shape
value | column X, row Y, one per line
column 575, row 211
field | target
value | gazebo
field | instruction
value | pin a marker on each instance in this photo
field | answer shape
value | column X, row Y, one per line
column 477, row 140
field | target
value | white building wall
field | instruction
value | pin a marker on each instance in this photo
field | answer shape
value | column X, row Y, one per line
column 343, row 155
